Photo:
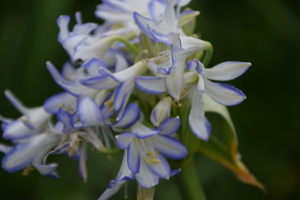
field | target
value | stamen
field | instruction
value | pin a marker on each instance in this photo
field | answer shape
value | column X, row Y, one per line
column 155, row 160
column 68, row 108
column 126, row 193
column 183, row 92
column 110, row 103
column 109, row 158
column 142, row 60
column 151, row 154
column 157, row 153
column 147, row 161
column 63, row 105
column 147, row 60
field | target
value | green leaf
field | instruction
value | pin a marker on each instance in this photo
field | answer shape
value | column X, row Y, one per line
column 226, row 152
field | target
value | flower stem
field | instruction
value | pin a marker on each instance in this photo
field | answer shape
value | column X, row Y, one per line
column 208, row 55
column 189, row 184
column 127, row 43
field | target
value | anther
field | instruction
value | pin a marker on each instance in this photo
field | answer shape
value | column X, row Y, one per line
column 147, row 60
column 147, row 161
column 68, row 108
column 156, row 152
column 183, row 92
column 142, row 60
column 155, row 160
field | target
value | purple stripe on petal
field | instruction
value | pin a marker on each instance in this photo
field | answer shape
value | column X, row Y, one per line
column 150, row 85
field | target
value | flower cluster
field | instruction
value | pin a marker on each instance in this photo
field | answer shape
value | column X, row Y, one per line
column 122, row 82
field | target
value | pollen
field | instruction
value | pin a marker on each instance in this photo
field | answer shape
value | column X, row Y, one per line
column 110, row 103
column 183, row 92
column 147, row 60
column 151, row 154
column 68, row 108
column 166, row 90
column 147, row 161
column 142, row 60
column 63, row 105
column 155, row 160
column 156, row 152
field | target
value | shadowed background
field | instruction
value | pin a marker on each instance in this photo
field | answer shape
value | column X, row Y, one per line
column 265, row 33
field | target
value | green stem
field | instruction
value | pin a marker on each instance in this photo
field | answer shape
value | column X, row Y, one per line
column 189, row 184
column 127, row 43
column 208, row 55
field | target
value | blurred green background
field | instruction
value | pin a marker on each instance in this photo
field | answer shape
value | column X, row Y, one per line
column 265, row 33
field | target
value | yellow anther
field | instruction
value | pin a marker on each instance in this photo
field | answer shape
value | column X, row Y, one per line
column 63, row 105
column 110, row 103
column 183, row 92
column 156, row 61
column 155, row 160
column 147, row 161
column 157, row 72
column 147, row 60
column 156, row 152
column 174, row 104
column 166, row 90
column 68, row 79
column 68, row 108
column 31, row 168
column 142, row 60
column 151, row 154
column 179, row 104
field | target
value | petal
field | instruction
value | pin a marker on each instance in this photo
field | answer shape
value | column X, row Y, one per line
column 159, row 37
column 157, row 8
column 136, row 70
column 146, row 178
column 100, row 83
column 63, row 22
column 5, row 148
column 143, row 22
column 196, row 65
column 186, row 16
column 174, row 172
column 199, row 125
column 53, row 103
column 170, row 15
column 223, row 93
column 133, row 158
column 68, row 70
column 109, row 192
column 93, row 65
column 89, row 113
column 47, row 170
column 65, row 118
column 84, row 29
column 161, row 169
column 16, row 130
column 143, row 131
column 169, row 147
column 201, row 86
column 16, row 102
column 82, row 166
column 71, row 43
column 161, row 112
column 121, row 92
column 227, row 71
column 150, row 84
column 170, row 126
column 124, row 140
column 174, row 81
column 121, row 63
column 130, row 117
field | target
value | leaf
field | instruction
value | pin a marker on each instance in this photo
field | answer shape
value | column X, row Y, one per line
column 227, row 153
column 145, row 193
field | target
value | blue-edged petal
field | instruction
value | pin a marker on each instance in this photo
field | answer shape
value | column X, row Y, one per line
column 133, row 158
column 186, row 16
column 63, row 22
column 199, row 125
column 143, row 131
column 170, row 126
column 84, row 29
column 159, row 37
column 46, row 170
column 122, row 92
column 157, row 8
column 65, row 118
column 161, row 112
column 161, row 169
column 70, row 43
column 143, row 22
column 103, row 82
column 130, row 117
column 168, row 147
column 174, row 81
column 174, row 172
column 89, row 113
column 150, row 84
column 196, row 65
column 53, row 103
column 124, row 140
column 227, row 70
column 146, row 178
column 223, row 93
column 93, row 65
column 109, row 192
column 170, row 15
column 16, row 130
column 16, row 102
